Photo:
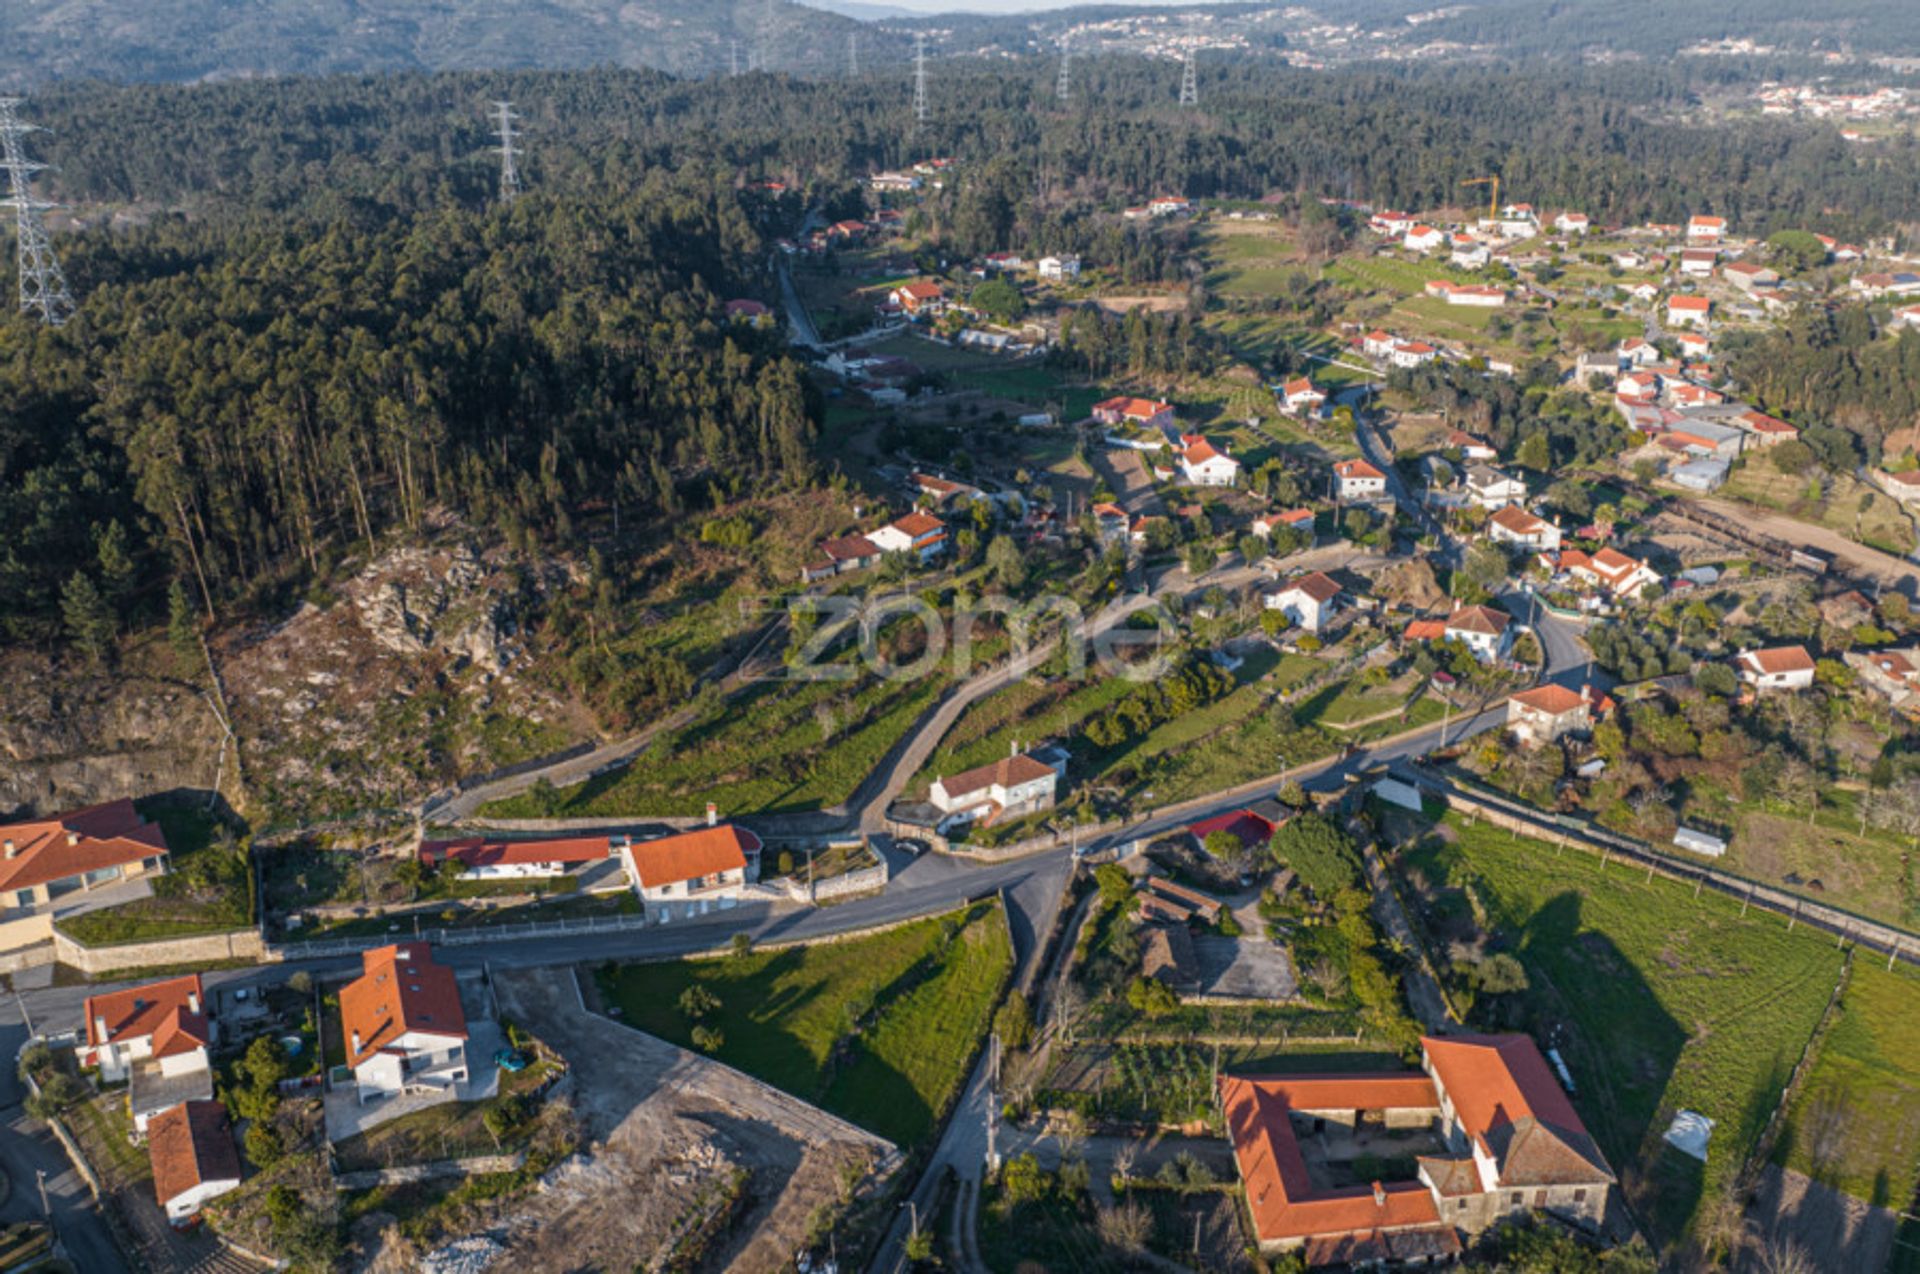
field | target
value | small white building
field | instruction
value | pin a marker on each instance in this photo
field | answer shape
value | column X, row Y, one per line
column 705, row 864
column 1491, row 489
column 1572, row 223
column 1421, row 238
column 1012, row 787
column 1514, row 525
column 1060, row 269
column 1204, row 465
column 404, row 1026
column 1688, row 311
column 1309, row 601
column 1547, row 713
column 1356, row 480
column 1300, row 396
column 482, row 859
column 1709, row 230
column 1482, row 629
column 191, row 1148
column 1776, row 668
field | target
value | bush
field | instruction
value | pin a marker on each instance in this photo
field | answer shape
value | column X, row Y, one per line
column 1014, row 1022
column 1320, row 854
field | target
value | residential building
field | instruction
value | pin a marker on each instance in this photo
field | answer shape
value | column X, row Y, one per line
column 1169, row 206
column 1359, row 481
column 1639, row 352
column 194, row 1159
column 48, row 864
column 1513, row 1145
column 1706, row 229
column 747, row 310
column 1110, row 523
column 1572, row 223
column 1699, row 263
column 1512, row 524
column 1467, row 294
column 1776, row 668
column 1894, row 674
column 1204, row 465
column 919, row 298
column 943, row 490
column 1471, row 449
column 1626, row 577
column 165, row 1019
column 1391, row 224
column 837, row 556
column 1300, row 397
column 1547, row 713
column 1011, row 787
column 404, row 1026
column 1588, row 366
column 1878, row 284
column 1060, row 269
column 1491, row 489
column 699, row 866
column 1482, row 629
column 1905, row 316
column 920, row 534
column 1700, row 475
column 1191, row 904
column 1309, row 601
column 893, row 183
column 1145, row 413
column 1421, row 238
column 1688, row 311
column 1378, row 345
column 1411, row 354
column 1469, row 253
column 1517, row 221
column 1748, row 275
column 1694, row 345
column 1167, row 955
column 1002, row 262
column 482, row 859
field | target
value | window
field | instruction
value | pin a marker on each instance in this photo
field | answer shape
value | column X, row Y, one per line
column 1518, row 1199
column 1580, row 1196
column 102, row 875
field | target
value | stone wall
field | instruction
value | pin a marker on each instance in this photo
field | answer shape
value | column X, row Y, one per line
column 202, row 949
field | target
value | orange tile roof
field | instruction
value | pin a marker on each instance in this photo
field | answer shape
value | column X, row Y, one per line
column 704, row 851
column 1688, row 303
column 1778, row 659
column 920, row 291
column 918, row 524
column 1501, row 1088
column 1553, row 700
column 1478, row 619
column 1518, row 520
column 190, row 1145
column 1426, row 630
column 1357, row 469
column 1200, row 451
column 400, row 990
column 476, row 851
column 99, row 836
column 1299, row 385
column 1318, row 586
column 1008, row 771
column 178, row 1004
column 1136, row 408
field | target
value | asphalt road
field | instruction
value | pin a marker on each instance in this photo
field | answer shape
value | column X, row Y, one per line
column 26, row 1149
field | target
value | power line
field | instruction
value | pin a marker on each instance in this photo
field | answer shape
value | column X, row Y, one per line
column 509, row 173
column 43, row 288
column 920, row 79
column 1189, row 81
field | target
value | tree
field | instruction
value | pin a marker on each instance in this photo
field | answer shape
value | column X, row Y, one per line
column 999, row 300
column 183, row 632
column 1252, row 549
column 1500, row 974
column 117, row 568
column 1357, row 523
column 1320, row 854
column 1535, row 453
column 264, row 1146
column 1006, row 563
column 1201, row 556
column 1224, row 846
column 1796, row 251
column 1715, row 679
column 1152, row 997
column 697, row 1002
column 742, row 944
column 708, row 1039
column 90, row 622
column 1024, row 1180
column 1116, row 886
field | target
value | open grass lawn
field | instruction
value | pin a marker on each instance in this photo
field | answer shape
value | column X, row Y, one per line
column 1856, row 1123
column 1667, row 1002
column 1350, row 702
column 877, row 1029
column 1027, row 711
column 1844, row 503
column 936, row 357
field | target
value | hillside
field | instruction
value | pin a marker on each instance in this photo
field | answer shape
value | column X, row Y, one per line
column 187, row 40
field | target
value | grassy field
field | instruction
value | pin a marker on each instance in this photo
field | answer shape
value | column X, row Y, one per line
column 877, row 1029
column 1856, row 1123
column 1844, row 504
column 1248, row 259
column 1666, row 1002
column 181, row 905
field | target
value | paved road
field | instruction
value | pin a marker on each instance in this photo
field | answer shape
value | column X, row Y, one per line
column 27, row 1147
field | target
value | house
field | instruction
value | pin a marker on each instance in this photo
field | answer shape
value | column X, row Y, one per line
column 1378, row 345
column 1572, row 223
column 482, row 859
column 1512, row 524
column 1309, row 601
column 837, row 556
column 1109, row 522
column 1706, row 229
column 1903, row 486
column 1895, row 674
column 1470, row 448
column 1204, row 465
column 1625, row 577
column 698, row 866
column 1464, row 294
column 166, row 1020
column 1298, row 519
column 1517, row 221
column 1699, row 262
column 1146, row 413
column 1482, row 629
column 1848, row 610
column 1167, row 956
column 1469, row 253
column 1411, row 354
column 1300, row 397
column 921, row 534
column 1641, row 385
column 191, row 1149
column 942, row 490
column 1702, row 439
column 1776, row 668
column 1002, row 262
column 919, row 298
column 1748, row 275
column 1628, row 259
column 1011, row 787
column 893, row 183
column 847, row 231
column 1514, row 1145
column 1060, row 269
column 1358, row 480
column 1878, row 284
column 1546, row 713
column 1490, row 489
column 1391, row 224
column 1695, row 345
column 1905, row 316
column 1189, row 904
column 1588, row 366
column 1688, row 311
column 1700, row 475
column 748, row 310
column 1682, row 394
column 1169, row 206
column 47, row 865
column 1645, row 291
column 1421, row 238
column 404, row 1026
column 1638, row 352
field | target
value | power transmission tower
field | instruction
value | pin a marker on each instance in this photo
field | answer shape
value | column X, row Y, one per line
column 43, row 288
column 920, row 79
column 509, row 174
column 733, row 57
column 1064, row 89
column 1189, row 82
column 853, row 54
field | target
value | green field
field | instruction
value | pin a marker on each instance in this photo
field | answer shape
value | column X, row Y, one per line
column 877, row 1029
column 1856, row 1123
column 1839, row 502
column 1668, row 1002
column 1248, row 259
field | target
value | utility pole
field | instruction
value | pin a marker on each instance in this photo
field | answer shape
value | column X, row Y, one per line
column 503, row 117
column 919, row 80
column 1064, row 89
column 1189, row 81
column 43, row 288
column 733, row 58
column 853, row 54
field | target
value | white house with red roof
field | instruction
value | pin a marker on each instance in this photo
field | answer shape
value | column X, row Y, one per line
column 1391, row 224
column 1309, row 601
column 1468, row 252
column 1356, row 480
column 1572, row 223
column 1299, row 519
column 1467, row 294
column 702, row 866
column 1202, row 464
column 1703, row 229
column 1470, row 447
column 190, row 1146
column 483, row 859
column 921, row 534
column 156, row 1037
column 1011, row 787
column 919, row 298
column 1146, row 413
column 1776, row 668
column 404, row 1025
column 1546, row 713
column 1481, row 629
column 1512, row 524
column 1411, row 354
column 1626, row 577
column 1422, row 238
column 1378, row 344
column 1688, row 311
column 47, row 863
column 1300, row 397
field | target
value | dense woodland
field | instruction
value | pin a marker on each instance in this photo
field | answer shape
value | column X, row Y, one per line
column 304, row 323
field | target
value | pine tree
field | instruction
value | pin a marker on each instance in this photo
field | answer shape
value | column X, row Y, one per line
column 182, row 632
column 117, row 569
column 89, row 619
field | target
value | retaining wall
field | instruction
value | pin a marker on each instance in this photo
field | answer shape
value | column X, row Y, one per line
column 206, row 948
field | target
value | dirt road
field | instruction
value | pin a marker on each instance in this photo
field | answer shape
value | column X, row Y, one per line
column 1892, row 572
column 663, row 1126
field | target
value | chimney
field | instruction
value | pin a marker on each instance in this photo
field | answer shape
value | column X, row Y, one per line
column 1379, row 1195
column 73, row 838
column 100, row 1027
column 713, row 814
column 193, row 1001
column 12, row 848
column 1013, row 747
column 356, row 1048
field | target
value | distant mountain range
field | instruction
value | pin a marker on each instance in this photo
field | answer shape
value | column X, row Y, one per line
column 187, row 40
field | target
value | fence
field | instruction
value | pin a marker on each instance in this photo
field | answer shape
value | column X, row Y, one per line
column 320, row 949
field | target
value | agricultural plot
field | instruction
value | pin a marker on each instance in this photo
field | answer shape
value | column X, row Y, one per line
column 1248, row 259
column 1838, row 502
column 1660, row 1001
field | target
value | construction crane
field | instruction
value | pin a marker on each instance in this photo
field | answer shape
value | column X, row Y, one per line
column 1493, row 201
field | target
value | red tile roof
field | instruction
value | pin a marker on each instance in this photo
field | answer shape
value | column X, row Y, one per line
column 1134, row 408
column 1008, row 771
column 1318, row 586
column 1518, row 520
column 190, row 1144
column 1357, row 469
column 704, row 851
column 1699, row 303
column 920, row 291
column 400, row 990
column 38, row 851
column 1426, row 630
column 1778, row 659
column 1555, row 701
column 918, row 524
column 1478, row 619
column 1200, row 451
column 1502, row 1092
column 475, row 851
column 177, row 1006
